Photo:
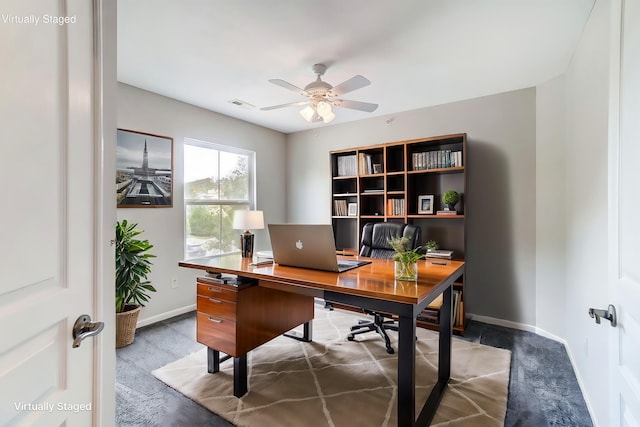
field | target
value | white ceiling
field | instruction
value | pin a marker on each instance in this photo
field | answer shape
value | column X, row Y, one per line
column 416, row 53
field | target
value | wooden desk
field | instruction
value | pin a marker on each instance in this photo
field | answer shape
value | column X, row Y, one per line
column 371, row 287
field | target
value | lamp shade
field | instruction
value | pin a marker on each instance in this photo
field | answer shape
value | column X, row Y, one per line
column 248, row 220
column 307, row 112
column 327, row 118
column 323, row 108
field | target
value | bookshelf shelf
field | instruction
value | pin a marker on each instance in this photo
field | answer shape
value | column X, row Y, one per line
column 384, row 182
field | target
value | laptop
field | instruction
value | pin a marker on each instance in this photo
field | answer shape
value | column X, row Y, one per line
column 308, row 246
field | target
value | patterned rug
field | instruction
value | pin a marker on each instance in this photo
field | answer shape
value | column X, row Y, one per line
column 336, row 382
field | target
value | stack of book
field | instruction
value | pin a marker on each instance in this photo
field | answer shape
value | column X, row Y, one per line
column 340, row 207
column 446, row 212
column 365, row 164
column 431, row 314
column 395, row 207
column 436, row 159
column 458, row 312
column 439, row 253
column 347, row 165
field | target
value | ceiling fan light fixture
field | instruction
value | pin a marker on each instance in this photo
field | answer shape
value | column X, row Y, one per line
column 328, row 118
column 324, row 109
column 307, row 113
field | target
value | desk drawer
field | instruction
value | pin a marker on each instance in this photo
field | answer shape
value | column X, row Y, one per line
column 217, row 333
column 217, row 291
column 217, row 307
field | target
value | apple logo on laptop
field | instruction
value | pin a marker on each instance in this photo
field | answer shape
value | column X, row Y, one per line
column 299, row 244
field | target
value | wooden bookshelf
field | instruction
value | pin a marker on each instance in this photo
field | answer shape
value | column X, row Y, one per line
column 384, row 182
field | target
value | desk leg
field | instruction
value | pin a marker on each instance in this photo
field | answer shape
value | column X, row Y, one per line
column 307, row 333
column 239, row 370
column 406, row 371
column 444, row 362
column 446, row 332
column 240, row 376
column 214, row 360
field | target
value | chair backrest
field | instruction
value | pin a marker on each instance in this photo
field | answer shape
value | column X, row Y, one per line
column 376, row 236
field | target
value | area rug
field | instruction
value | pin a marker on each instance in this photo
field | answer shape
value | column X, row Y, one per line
column 335, row 382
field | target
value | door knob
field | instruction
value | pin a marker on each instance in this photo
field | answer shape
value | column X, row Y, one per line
column 609, row 314
column 84, row 328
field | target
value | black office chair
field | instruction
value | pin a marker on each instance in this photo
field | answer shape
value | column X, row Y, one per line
column 375, row 244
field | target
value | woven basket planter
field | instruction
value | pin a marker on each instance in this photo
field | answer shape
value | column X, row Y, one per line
column 126, row 325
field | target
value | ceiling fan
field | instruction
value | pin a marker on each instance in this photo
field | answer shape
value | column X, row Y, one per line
column 322, row 96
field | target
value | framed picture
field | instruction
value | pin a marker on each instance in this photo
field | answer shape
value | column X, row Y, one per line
column 353, row 209
column 425, row 204
column 144, row 170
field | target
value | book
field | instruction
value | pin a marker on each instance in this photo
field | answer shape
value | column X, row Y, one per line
column 440, row 253
column 444, row 212
column 264, row 254
column 428, row 315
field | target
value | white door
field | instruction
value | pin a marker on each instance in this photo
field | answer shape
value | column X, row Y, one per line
column 51, row 221
column 624, row 213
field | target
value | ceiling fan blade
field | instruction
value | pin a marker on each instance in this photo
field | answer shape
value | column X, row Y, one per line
column 352, row 84
column 288, row 86
column 290, row 104
column 355, row 105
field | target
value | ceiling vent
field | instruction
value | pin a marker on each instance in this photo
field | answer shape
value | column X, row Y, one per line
column 242, row 104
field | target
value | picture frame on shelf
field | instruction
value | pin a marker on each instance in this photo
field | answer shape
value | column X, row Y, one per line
column 352, row 209
column 144, row 170
column 425, row 204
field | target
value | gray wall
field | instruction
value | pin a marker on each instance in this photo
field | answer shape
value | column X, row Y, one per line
column 551, row 207
column 164, row 227
column 501, row 187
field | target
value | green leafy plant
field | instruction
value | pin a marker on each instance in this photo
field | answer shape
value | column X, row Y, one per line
column 432, row 245
column 450, row 197
column 132, row 267
column 403, row 252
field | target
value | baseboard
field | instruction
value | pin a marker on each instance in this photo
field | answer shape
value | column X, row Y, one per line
column 164, row 316
column 545, row 334
column 503, row 323
column 580, row 383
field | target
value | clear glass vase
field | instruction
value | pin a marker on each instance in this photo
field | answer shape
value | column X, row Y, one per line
column 406, row 271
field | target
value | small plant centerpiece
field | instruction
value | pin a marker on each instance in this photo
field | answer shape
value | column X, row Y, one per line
column 132, row 287
column 406, row 259
column 432, row 245
column 450, row 198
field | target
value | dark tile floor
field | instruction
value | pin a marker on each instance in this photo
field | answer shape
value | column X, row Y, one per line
column 543, row 390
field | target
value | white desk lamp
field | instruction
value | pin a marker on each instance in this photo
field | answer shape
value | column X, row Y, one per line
column 247, row 220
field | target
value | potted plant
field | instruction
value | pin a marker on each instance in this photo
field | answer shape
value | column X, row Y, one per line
column 432, row 245
column 406, row 265
column 132, row 267
column 450, row 198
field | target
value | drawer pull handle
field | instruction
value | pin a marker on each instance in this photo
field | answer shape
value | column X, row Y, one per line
column 215, row 320
column 212, row 289
column 216, row 301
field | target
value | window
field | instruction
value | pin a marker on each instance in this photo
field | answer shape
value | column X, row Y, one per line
column 218, row 180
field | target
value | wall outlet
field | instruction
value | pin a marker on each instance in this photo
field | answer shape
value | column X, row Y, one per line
column 174, row 283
